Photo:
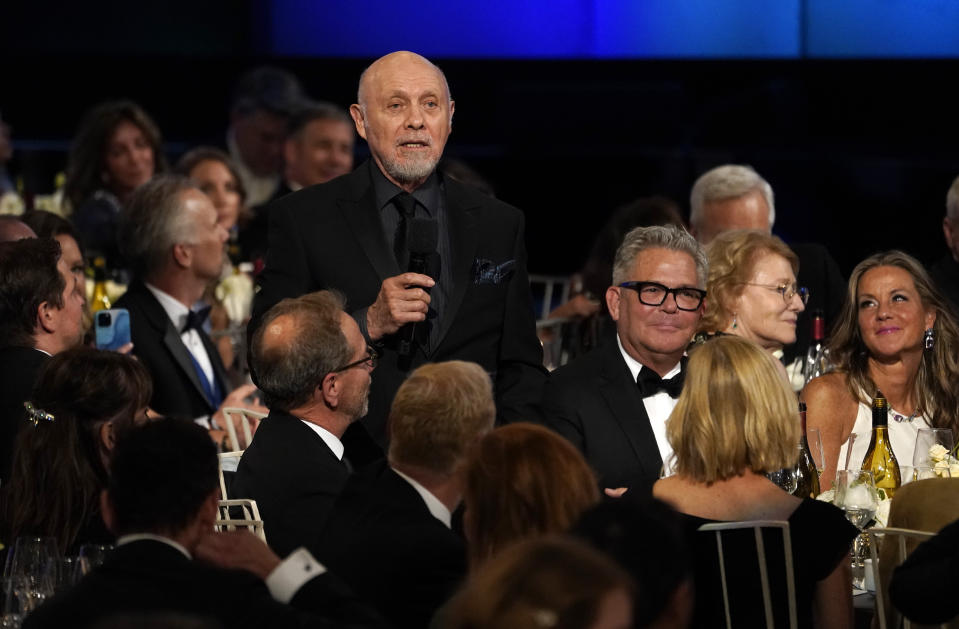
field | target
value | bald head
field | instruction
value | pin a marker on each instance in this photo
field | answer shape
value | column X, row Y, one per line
column 396, row 62
column 13, row 229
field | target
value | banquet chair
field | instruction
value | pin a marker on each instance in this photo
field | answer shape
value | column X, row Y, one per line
column 239, row 514
column 757, row 526
column 233, row 413
column 228, row 464
column 893, row 539
column 549, row 291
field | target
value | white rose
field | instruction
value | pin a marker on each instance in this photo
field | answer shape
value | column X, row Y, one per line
column 882, row 512
column 954, row 470
column 827, row 496
column 938, row 452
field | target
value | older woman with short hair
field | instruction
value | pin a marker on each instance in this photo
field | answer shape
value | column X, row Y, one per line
column 736, row 420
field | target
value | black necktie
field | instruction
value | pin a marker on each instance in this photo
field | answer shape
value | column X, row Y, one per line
column 406, row 205
column 650, row 383
column 195, row 319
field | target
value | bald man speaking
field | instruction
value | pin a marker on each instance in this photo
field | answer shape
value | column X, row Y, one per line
column 432, row 269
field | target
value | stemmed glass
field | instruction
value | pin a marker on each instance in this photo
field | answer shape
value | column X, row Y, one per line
column 925, row 439
column 91, row 556
column 857, row 496
column 814, row 439
column 787, row 478
column 29, row 577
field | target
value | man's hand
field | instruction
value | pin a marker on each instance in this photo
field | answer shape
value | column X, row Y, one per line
column 238, row 550
column 401, row 300
column 237, row 399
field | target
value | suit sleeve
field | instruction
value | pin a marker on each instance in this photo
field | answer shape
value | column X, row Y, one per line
column 922, row 587
column 520, row 374
column 559, row 413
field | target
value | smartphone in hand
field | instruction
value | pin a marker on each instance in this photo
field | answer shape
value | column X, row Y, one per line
column 112, row 328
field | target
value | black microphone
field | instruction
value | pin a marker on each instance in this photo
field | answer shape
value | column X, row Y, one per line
column 422, row 237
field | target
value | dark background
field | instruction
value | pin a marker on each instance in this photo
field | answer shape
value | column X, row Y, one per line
column 860, row 153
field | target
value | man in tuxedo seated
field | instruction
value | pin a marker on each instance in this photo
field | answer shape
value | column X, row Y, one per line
column 161, row 501
column 313, row 366
column 656, row 300
column 170, row 238
column 389, row 534
column 732, row 196
column 41, row 314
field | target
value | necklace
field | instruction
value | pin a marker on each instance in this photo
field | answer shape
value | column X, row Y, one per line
column 902, row 418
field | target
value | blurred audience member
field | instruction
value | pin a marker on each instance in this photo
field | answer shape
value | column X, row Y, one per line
column 12, row 229
column 894, row 335
column 318, row 146
column 49, row 225
column 553, row 582
column 736, row 420
column 752, row 289
column 389, row 533
column 735, row 197
column 174, row 245
column 83, row 402
column 656, row 300
column 946, row 271
column 116, row 149
column 218, row 178
column 522, row 481
column 41, row 314
column 313, row 366
column 645, row 538
column 263, row 101
column 162, row 503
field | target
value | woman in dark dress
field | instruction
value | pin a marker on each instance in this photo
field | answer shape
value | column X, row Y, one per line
column 736, row 419
column 83, row 401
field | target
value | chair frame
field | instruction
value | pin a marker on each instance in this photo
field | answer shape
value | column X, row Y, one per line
column 228, row 414
column 251, row 517
column 900, row 535
column 757, row 526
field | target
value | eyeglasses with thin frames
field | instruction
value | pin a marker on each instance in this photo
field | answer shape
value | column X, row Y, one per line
column 372, row 356
column 788, row 291
column 654, row 294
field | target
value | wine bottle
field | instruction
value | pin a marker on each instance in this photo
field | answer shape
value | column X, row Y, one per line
column 811, row 367
column 807, row 485
column 880, row 459
column 100, row 301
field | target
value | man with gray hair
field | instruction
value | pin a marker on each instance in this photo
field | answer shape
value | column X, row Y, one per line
column 734, row 196
column 432, row 269
column 613, row 402
column 946, row 271
column 169, row 235
column 313, row 366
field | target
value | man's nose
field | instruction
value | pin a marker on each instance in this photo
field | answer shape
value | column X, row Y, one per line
column 415, row 118
column 670, row 305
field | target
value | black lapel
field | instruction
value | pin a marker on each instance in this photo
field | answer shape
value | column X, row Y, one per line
column 462, row 219
column 363, row 217
column 626, row 404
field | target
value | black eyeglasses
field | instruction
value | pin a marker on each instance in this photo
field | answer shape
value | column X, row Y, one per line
column 653, row 294
column 786, row 290
column 371, row 357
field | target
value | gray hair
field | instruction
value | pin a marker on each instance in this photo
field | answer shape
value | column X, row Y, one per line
column 658, row 237
column 153, row 222
column 952, row 200
column 312, row 111
column 729, row 181
column 289, row 370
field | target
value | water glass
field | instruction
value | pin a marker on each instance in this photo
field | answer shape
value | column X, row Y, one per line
column 29, row 577
column 91, row 556
column 856, row 495
column 787, row 478
column 925, row 440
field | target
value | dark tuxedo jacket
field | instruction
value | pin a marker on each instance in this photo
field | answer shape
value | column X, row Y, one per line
column 149, row 576
column 594, row 402
column 253, row 235
column 383, row 541
column 331, row 236
column 156, row 343
column 294, row 478
column 19, row 370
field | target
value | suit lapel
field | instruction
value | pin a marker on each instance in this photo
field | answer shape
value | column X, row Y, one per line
column 461, row 220
column 626, row 404
column 363, row 217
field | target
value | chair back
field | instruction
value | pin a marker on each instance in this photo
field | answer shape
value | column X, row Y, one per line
column 239, row 514
column 232, row 414
column 894, row 550
column 549, row 291
column 228, row 464
column 757, row 526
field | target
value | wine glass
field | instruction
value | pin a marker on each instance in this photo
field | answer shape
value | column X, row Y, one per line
column 857, row 496
column 91, row 556
column 29, row 576
column 814, row 439
column 855, row 449
column 787, row 478
column 925, row 440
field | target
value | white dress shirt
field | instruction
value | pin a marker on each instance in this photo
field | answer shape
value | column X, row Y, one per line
column 437, row 508
column 331, row 440
column 658, row 408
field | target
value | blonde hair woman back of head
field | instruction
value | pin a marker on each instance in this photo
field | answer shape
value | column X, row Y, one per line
column 736, row 412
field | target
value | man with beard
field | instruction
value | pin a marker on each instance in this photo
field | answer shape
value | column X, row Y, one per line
column 313, row 367
column 357, row 233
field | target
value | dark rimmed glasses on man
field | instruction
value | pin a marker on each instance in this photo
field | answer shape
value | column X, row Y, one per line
column 786, row 290
column 653, row 294
column 371, row 357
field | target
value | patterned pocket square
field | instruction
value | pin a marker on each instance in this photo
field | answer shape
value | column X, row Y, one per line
column 488, row 272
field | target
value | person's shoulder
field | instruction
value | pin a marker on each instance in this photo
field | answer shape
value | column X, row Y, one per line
column 829, row 390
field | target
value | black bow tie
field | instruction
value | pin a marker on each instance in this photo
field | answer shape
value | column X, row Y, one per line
column 650, row 383
column 195, row 319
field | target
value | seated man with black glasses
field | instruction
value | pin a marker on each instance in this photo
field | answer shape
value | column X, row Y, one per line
column 613, row 402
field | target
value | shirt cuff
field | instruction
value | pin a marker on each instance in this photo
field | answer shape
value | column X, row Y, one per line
column 292, row 573
column 205, row 420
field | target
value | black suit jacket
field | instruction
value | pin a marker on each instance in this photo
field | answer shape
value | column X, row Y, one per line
column 384, row 542
column 331, row 236
column 20, row 367
column 595, row 403
column 294, row 478
column 156, row 343
column 150, row 576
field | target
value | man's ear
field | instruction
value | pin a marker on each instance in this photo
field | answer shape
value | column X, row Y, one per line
column 452, row 109
column 289, row 151
column 613, row 297
column 108, row 512
column 329, row 390
column 46, row 317
column 182, row 255
column 356, row 112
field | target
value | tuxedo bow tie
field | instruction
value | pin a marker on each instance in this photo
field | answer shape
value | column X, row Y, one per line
column 650, row 383
column 195, row 319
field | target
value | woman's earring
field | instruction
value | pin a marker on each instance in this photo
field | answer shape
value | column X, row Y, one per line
column 929, row 338
column 735, row 323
